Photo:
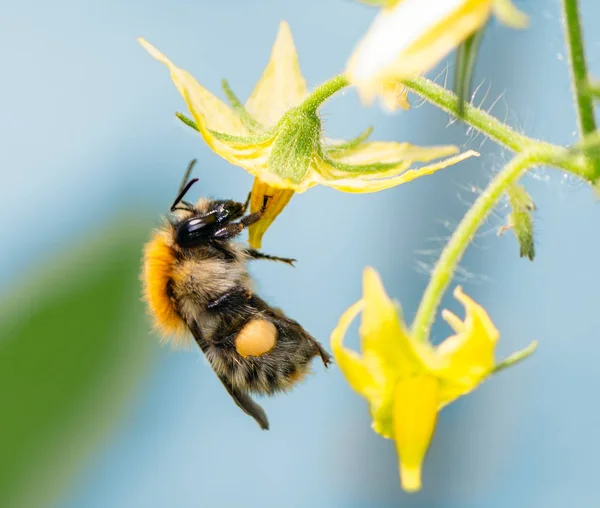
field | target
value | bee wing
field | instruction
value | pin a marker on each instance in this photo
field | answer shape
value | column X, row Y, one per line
column 246, row 404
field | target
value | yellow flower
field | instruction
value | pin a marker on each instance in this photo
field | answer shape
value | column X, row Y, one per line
column 409, row 37
column 407, row 382
column 277, row 137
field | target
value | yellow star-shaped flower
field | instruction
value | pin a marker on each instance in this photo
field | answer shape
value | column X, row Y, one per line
column 277, row 137
column 407, row 382
column 409, row 37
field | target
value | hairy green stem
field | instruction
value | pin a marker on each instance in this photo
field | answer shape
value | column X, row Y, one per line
column 454, row 250
column 324, row 91
column 574, row 40
column 477, row 118
column 495, row 129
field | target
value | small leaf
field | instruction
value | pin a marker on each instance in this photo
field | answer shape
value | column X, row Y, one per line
column 73, row 344
column 466, row 57
column 520, row 220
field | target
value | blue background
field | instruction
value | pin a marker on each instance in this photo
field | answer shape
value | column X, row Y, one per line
column 88, row 132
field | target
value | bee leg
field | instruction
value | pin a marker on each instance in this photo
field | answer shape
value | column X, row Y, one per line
column 247, row 405
column 234, row 292
column 325, row 356
column 256, row 254
column 235, row 228
column 246, row 203
column 243, row 400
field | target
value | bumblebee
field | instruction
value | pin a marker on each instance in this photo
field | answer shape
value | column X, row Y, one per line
column 196, row 281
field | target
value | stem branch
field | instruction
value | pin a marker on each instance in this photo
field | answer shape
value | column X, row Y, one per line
column 454, row 250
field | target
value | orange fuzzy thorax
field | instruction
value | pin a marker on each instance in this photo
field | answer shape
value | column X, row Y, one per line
column 158, row 270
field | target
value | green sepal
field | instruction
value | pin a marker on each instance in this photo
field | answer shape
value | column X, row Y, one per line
column 187, row 120
column 247, row 119
column 367, row 169
column 297, row 142
column 228, row 138
column 351, row 143
column 515, row 358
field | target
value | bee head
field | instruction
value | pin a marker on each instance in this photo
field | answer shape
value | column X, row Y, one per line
column 204, row 222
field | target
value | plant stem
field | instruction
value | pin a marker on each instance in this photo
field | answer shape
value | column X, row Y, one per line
column 454, row 250
column 482, row 121
column 324, row 91
column 574, row 40
column 496, row 130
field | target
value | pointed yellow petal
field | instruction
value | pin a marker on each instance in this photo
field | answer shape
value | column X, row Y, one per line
column 415, row 414
column 281, row 85
column 215, row 121
column 453, row 320
column 410, row 38
column 349, row 362
column 277, row 200
column 359, row 185
column 216, row 115
column 468, row 355
column 361, row 379
column 387, row 348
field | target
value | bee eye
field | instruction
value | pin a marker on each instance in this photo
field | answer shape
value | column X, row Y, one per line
column 195, row 231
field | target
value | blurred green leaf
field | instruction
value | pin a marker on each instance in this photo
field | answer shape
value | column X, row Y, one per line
column 466, row 57
column 73, row 343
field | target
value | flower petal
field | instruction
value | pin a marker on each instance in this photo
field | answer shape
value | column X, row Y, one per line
column 277, row 200
column 410, row 38
column 281, row 86
column 415, row 414
column 390, row 151
column 215, row 113
column 394, row 95
column 468, row 355
column 361, row 185
column 387, row 348
column 218, row 125
column 453, row 320
column 378, row 392
column 350, row 363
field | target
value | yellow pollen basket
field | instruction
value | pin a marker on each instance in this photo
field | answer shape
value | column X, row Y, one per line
column 256, row 338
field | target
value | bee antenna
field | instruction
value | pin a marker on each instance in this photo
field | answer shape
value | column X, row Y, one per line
column 184, row 187
column 186, row 176
column 183, row 193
